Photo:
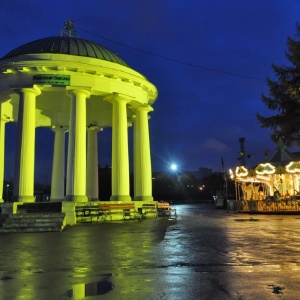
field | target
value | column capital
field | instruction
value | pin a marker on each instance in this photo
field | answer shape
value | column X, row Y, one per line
column 59, row 128
column 92, row 127
column 78, row 91
column 82, row 91
column 34, row 90
column 117, row 97
column 143, row 108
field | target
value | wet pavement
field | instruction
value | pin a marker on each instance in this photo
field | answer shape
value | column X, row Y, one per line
column 204, row 253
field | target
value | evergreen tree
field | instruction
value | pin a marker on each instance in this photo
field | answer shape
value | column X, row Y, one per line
column 284, row 96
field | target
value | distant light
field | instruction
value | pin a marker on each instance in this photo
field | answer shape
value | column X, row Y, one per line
column 201, row 187
column 173, row 167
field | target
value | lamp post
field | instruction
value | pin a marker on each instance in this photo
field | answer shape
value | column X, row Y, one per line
column 7, row 186
column 174, row 179
column 174, row 171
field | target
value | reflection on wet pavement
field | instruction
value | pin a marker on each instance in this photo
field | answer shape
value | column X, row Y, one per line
column 82, row 290
column 203, row 254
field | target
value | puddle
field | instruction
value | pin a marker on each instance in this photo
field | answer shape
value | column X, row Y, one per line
column 82, row 290
column 4, row 278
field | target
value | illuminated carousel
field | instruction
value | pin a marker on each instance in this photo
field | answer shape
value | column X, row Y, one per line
column 272, row 186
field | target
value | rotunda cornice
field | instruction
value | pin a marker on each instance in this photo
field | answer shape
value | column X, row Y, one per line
column 78, row 66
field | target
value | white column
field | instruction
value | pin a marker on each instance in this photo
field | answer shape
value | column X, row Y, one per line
column 92, row 189
column 2, row 151
column 142, row 156
column 120, row 158
column 71, row 149
column 58, row 165
column 25, row 154
column 76, row 169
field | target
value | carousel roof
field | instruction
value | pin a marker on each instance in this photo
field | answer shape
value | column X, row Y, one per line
column 281, row 155
column 280, row 161
column 66, row 45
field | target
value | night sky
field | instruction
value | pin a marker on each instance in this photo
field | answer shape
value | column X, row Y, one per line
column 208, row 59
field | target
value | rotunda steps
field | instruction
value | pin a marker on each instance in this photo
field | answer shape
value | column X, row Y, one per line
column 34, row 222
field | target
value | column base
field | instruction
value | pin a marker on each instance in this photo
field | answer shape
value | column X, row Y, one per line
column 76, row 198
column 143, row 198
column 56, row 200
column 24, row 199
column 94, row 199
column 10, row 207
column 69, row 209
column 123, row 198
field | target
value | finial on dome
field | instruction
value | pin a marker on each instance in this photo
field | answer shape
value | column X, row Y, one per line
column 69, row 29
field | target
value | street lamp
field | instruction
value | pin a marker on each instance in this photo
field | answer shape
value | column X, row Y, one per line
column 173, row 167
column 7, row 186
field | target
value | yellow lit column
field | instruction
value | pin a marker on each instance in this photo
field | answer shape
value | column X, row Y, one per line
column 71, row 150
column 76, row 168
column 120, row 158
column 142, row 156
column 58, row 165
column 2, row 150
column 92, row 189
column 24, row 163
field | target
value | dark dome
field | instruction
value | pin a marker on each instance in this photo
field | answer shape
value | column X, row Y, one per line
column 67, row 45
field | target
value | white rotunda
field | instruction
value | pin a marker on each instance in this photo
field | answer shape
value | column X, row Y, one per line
column 75, row 86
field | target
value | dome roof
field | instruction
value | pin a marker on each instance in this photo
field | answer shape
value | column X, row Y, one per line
column 69, row 46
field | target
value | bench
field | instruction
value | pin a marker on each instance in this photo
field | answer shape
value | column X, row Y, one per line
column 89, row 210
column 148, row 208
column 128, row 209
column 164, row 209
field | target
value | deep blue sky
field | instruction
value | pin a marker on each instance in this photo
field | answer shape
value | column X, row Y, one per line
column 210, row 62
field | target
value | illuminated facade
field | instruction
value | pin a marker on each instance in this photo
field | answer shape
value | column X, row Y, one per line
column 73, row 85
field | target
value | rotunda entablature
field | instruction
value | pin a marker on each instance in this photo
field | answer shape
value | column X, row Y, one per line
column 95, row 73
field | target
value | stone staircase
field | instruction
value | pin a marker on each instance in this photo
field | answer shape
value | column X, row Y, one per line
column 34, row 222
column 34, row 217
